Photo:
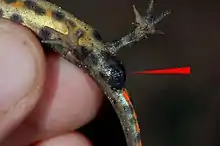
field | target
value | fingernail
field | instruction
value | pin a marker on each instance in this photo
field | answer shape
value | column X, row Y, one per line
column 19, row 68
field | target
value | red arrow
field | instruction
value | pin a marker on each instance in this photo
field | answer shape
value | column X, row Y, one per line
column 181, row 70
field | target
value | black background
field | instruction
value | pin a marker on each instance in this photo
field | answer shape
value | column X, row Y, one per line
column 173, row 110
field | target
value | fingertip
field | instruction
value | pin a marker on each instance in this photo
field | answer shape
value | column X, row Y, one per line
column 22, row 74
column 70, row 100
column 70, row 139
column 70, row 97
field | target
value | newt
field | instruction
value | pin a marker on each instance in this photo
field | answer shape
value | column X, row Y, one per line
column 82, row 45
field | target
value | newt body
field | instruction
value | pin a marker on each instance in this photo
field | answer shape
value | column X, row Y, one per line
column 82, row 45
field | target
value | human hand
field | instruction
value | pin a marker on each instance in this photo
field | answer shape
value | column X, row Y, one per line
column 42, row 98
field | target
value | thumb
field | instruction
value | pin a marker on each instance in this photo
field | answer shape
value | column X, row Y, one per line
column 22, row 70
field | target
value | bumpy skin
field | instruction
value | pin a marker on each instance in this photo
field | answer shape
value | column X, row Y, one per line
column 82, row 45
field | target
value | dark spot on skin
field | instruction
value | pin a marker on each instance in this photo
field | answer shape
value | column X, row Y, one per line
column 79, row 33
column 29, row 4
column 102, row 75
column 127, row 109
column 93, row 58
column 45, row 34
column 132, row 121
column 1, row 12
column 71, row 23
column 116, row 43
column 113, row 101
column 138, row 137
column 81, row 53
column 33, row 6
column 97, row 35
column 86, row 28
column 16, row 18
column 39, row 10
column 10, row 1
column 58, row 15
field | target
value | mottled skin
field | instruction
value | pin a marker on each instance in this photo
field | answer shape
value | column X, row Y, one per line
column 82, row 45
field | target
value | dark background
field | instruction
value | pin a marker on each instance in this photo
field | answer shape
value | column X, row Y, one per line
column 173, row 110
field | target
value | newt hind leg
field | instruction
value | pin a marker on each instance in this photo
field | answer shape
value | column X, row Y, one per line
column 148, row 22
column 144, row 26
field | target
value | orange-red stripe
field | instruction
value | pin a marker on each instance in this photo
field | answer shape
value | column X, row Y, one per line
column 137, row 127
column 126, row 95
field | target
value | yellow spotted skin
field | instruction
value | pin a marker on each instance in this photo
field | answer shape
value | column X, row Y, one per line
column 36, row 21
column 82, row 45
